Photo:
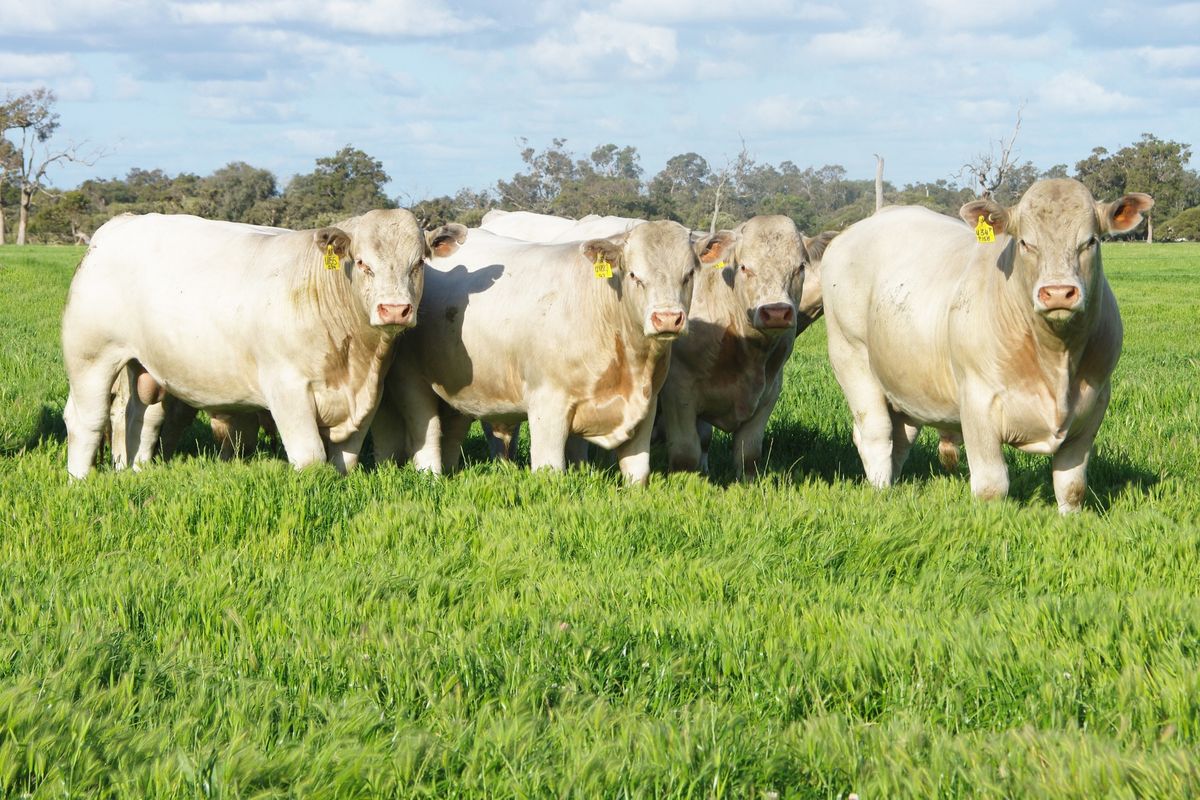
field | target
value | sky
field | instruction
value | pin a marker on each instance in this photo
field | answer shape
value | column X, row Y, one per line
column 444, row 92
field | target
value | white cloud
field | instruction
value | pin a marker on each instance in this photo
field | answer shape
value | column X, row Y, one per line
column 861, row 44
column 956, row 14
column 74, row 15
column 37, row 66
column 598, row 45
column 676, row 11
column 1071, row 92
column 1170, row 59
column 373, row 17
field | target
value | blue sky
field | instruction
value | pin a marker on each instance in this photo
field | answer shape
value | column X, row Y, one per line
column 443, row 91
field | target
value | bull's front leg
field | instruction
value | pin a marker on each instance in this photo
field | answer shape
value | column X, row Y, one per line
column 633, row 457
column 291, row 403
column 748, row 438
column 985, row 451
column 684, row 452
column 548, row 431
column 1070, row 463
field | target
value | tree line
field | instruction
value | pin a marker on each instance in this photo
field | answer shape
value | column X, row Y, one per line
column 554, row 180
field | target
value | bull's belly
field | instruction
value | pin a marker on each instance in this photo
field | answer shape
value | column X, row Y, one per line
column 482, row 402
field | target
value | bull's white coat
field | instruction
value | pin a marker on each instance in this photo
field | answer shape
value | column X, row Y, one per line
column 728, row 370
column 226, row 317
column 513, row 330
column 928, row 326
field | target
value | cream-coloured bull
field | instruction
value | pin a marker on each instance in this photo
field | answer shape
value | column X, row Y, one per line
column 728, row 371
column 1011, row 341
column 232, row 319
column 513, row 330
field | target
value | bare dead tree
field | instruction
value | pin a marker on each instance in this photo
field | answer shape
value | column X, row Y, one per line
column 730, row 172
column 878, row 181
column 32, row 115
column 988, row 171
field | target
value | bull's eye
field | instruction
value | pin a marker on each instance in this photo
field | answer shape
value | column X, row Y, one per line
column 749, row 273
column 1026, row 247
column 636, row 280
column 358, row 262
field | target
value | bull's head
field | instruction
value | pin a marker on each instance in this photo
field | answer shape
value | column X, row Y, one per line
column 772, row 270
column 384, row 254
column 654, row 266
column 1055, row 247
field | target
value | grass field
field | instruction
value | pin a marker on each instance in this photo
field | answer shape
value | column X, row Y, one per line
column 241, row 630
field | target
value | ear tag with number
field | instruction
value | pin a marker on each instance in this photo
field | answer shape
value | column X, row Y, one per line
column 332, row 261
column 719, row 265
column 983, row 232
column 602, row 267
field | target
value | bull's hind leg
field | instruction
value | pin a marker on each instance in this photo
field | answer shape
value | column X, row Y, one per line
column 86, row 413
column 904, row 434
column 872, row 419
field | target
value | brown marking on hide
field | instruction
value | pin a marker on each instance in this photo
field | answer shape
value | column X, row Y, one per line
column 731, row 358
column 616, row 380
column 1024, row 364
column 337, row 364
column 604, row 411
column 1074, row 494
column 451, row 313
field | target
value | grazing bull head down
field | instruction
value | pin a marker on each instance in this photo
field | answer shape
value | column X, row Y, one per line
column 1054, row 250
column 653, row 266
column 383, row 254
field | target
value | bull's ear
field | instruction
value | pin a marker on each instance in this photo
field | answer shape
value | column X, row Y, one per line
column 337, row 237
column 816, row 245
column 445, row 240
column 994, row 214
column 715, row 247
column 610, row 249
column 1125, row 214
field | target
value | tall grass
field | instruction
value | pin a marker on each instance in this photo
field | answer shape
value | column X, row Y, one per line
column 243, row 630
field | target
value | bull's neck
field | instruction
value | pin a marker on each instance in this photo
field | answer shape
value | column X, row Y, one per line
column 1064, row 343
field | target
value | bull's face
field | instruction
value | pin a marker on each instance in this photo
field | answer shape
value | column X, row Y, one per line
column 654, row 266
column 386, row 251
column 770, row 273
column 1056, row 228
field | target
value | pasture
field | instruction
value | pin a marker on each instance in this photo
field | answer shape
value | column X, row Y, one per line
column 242, row 630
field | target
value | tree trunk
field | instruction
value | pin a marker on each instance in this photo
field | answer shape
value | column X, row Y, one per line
column 878, row 181
column 1150, row 227
column 23, row 216
column 1, row 207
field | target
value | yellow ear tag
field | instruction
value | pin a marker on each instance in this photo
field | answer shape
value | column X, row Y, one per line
column 602, row 267
column 332, row 261
column 719, row 265
column 983, row 232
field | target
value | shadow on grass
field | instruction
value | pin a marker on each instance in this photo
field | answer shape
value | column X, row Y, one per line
column 48, row 428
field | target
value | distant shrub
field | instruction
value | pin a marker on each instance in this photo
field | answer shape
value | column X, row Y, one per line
column 1184, row 225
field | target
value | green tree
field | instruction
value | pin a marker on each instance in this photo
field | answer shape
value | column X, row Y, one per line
column 236, row 188
column 1152, row 165
column 347, row 183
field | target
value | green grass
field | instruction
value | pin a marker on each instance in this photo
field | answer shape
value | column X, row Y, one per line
column 241, row 630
